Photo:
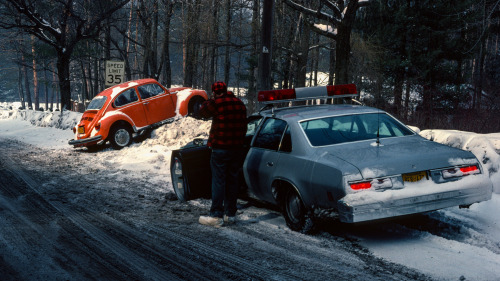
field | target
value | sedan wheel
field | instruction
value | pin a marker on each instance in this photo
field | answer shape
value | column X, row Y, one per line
column 120, row 137
column 178, row 181
column 295, row 213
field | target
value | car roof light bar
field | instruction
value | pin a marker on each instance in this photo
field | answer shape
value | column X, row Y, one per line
column 308, row 93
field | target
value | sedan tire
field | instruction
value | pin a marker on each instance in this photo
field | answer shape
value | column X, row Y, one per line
column 296, row 215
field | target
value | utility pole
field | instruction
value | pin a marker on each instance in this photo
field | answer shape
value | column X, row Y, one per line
column 264, row 82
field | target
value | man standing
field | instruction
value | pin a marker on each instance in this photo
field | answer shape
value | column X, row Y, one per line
column 226, row 139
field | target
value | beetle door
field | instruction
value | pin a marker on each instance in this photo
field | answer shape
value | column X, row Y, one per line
column 128, row 103
column 157, row 102
column 262, row 159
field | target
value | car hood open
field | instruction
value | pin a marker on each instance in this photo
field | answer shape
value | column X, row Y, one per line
column 399, row 156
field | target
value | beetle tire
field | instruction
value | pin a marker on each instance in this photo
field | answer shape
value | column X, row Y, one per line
column 296, row 215
column 179, row 182
column 120, row 136
column 194, row 107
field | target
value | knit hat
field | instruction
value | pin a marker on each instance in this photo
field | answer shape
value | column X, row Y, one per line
column 219, row 87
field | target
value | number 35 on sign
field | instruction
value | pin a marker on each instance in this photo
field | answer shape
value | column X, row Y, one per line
column 114, row 72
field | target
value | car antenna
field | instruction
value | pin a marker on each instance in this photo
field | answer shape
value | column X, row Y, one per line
column 378, row 128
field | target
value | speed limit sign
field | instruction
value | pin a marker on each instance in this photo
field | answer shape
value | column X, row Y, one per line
column 115, row 70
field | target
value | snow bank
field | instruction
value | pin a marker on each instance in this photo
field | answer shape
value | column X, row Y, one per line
column 179, row 132
column 486, row 148
column 66, row 120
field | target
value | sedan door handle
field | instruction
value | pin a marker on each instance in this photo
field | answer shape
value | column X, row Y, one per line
column 146, row 103
column 270, row 164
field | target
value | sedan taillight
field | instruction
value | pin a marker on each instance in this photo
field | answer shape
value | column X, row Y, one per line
column 361, row 185
column 460, row 171
column 377, row 184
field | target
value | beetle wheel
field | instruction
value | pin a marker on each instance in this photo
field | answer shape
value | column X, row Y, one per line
column 194, row 107
column 120, row 136
column 178, row 181
column 296, row 214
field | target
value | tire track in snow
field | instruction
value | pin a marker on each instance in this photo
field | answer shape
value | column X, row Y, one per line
column 134, row 262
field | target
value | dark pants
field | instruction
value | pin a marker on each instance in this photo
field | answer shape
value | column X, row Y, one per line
column 225, row 166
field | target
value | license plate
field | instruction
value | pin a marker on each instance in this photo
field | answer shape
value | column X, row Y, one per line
column 81, row 130
column 414, row 177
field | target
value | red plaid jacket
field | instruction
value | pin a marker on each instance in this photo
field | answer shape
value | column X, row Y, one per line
column 229, row 123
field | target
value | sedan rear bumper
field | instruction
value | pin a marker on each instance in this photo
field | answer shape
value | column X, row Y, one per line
column 82, row 142
column 352, row 210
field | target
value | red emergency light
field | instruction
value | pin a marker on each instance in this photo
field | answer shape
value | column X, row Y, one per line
column 330, row 91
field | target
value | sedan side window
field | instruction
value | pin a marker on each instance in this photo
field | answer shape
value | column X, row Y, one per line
column 286, row 143
column 126, row 97
column 150, row 90
column 269, row 136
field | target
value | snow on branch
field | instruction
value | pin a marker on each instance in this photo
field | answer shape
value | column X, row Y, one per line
column 315, row 13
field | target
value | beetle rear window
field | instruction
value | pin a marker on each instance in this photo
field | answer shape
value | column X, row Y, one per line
column 349, row 128
column 97, row 103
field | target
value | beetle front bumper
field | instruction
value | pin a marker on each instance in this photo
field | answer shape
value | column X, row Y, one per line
column 82, row 142
column 354, row 209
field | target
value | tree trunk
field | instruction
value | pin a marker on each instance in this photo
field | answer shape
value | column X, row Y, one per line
column 191, row 43
column 85, row 92
column 342, row 54
column 227, row 63
column 46, row 88
column 165, row 52
column 154, row 39
column 252, row 73
column 212, row 51
column 266, row 54
column 398, row 89
column 20, row 88
column 303, row 55
column 26, row 83
column 331, row 65
column 54, row 88
column 35, row 74
column 64, row 83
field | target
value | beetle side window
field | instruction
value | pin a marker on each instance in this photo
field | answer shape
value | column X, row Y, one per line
column 126, row 97
column 269, row 136
column 150, row 90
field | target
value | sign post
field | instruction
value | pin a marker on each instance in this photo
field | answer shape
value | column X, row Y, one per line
column 115, row 70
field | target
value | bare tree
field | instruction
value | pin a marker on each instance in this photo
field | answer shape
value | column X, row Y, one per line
column 339, row 16
column 61, row 24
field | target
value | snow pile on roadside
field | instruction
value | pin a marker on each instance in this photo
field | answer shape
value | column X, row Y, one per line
column 484, row 146
column 66, row 120
column 179, row 133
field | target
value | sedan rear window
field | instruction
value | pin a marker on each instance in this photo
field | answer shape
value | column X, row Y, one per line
column 349, row 128
column 97, row 103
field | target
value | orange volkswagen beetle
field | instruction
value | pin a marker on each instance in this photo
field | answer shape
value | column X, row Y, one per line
column 131, row 109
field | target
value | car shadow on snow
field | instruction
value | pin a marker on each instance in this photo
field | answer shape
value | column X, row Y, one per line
column 395, row 228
